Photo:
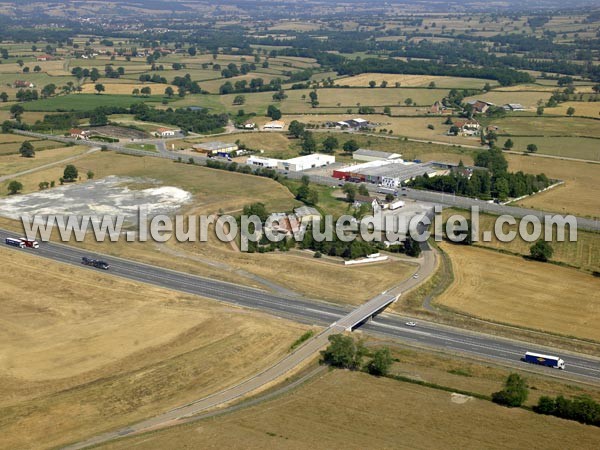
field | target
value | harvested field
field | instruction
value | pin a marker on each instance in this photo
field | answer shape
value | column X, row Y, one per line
column 389, row 414
column 580, row 195
column 10, row 164
column 84, row 352
column 479, row 289
column 363, row 80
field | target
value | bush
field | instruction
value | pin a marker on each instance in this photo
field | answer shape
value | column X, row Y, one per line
column 317, row 255
column 541, row 251
column 381, row 362
column 343, row 352
column 514, row 393
column 582, row 409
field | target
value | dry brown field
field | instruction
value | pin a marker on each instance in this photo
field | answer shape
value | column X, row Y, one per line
column 537, row 295
column 361, row 411
column 84, row 352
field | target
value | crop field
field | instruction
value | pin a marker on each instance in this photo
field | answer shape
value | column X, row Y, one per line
column 125, row 88
column 584, row 253
column 86, row 102
column 414, row 81
column 479, row 289
column 14, row 163
column 585, row 109
column 580, row 195
column 529, row 99
column 91, row 352
column 570, row 147
column 548, row 126
column 390, row 414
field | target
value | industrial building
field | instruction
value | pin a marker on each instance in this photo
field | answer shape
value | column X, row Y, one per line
column 293, row 165
column 385, row 173
column 217, row 148
column 363, row 154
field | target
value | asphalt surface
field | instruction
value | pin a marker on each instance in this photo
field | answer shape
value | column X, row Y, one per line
column 320, row 313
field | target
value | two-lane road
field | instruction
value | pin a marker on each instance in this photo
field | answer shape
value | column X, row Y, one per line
column 321, row 313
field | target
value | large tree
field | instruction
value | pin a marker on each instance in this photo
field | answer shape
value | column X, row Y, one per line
column 70, row 173
column 344, row 352
column 14, row 187
column 27, row 150
column 381, row 362
column 330, row 144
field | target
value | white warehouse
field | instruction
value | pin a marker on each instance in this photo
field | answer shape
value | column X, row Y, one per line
column 293, row 165
column 306, row 162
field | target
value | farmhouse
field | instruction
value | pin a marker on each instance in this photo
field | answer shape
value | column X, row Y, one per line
column 166, row 132
column 79, row 134
column 439, row 109
column 23, row 84
column 466, row 127
column 363, row 154
column 479, row 106
column 216, row 148
column 45, row 58
column 274, row 125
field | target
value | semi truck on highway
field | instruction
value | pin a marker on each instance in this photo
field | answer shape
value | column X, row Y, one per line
column 94, row 263
column 22, row 243
column 544, row 360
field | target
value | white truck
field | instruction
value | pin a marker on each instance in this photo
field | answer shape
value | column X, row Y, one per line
column 395, row 205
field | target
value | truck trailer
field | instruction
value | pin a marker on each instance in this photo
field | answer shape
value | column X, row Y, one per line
column 395, row 205
column 544, row 360
column 14, row 242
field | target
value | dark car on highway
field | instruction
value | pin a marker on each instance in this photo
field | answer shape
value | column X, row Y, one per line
column 95, row 263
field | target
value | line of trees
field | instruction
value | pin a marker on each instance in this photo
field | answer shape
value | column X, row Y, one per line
column 491, row 181
column 184, row 118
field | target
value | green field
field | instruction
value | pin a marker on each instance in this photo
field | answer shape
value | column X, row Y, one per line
column 86, row 102
column 578, row 147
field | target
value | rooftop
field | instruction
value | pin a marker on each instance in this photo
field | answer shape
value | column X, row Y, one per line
column 214, row 145
column 376, row 153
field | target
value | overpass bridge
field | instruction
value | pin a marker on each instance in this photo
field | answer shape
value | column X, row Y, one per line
column 365, row 312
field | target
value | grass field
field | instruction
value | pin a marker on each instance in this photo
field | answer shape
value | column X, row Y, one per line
column 586, row 109
column 548, row 126
column 87, row 102
column 367, row 412
column 538, row 298
column 570, row 147
column 84, row 352
column 414, row 81
column 529, row 99
column 10, row 164
column 580, row 195
column 126, row 88
column 584, row 253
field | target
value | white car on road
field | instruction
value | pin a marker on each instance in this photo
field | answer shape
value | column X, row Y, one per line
column 411, row 324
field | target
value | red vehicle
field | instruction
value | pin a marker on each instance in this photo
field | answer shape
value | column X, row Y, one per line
column 30, row 243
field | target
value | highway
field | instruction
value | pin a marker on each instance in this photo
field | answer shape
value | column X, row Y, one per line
column 316, row 312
